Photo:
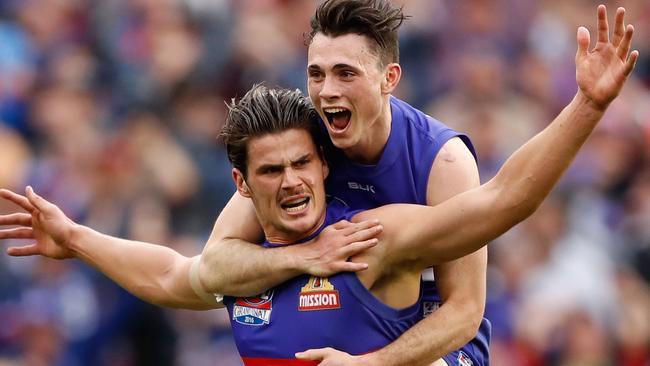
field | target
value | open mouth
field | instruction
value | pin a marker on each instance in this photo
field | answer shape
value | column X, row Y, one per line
column 295, row 205
column 337, row 118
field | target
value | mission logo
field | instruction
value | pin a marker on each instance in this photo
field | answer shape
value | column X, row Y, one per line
column 318, row 294
column 253, row 310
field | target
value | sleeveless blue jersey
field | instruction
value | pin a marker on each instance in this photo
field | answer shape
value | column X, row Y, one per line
column 401, row 176
column 402, row 172
column 312, row 312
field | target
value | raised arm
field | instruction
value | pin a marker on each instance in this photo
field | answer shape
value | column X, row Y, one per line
column 468, row 221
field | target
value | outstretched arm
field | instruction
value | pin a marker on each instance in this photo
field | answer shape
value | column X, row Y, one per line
column 162, row 276
column 468, row 221
column 154, row 273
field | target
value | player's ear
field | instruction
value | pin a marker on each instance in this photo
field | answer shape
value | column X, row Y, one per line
column 392, row 76
column 326, row 167
column 240, row 182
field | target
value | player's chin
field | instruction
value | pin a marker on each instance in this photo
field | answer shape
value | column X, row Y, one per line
column 343, row 141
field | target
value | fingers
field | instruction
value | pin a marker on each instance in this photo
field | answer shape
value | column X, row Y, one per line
column 341, row 224
column 313, row 354
column 583, row 42
column 362, row 226
column 358, row 247
column 23, row 251
column 351, row 267
column 603, row 27
column 17, row 233
column 624, row 46
column 365, row 233
column 19, row 200
column 619, row 27
column 22, row 219
column 631, row 62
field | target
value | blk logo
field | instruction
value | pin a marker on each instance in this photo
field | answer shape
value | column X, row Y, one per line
column 361, row 187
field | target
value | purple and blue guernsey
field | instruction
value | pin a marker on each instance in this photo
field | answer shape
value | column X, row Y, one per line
column 314, row 312
column 401, row 176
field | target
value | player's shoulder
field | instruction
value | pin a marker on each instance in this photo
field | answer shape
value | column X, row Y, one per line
column 416, row 121
column 402, row 111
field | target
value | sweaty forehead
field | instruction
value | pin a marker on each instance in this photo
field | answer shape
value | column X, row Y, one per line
column 348, row 49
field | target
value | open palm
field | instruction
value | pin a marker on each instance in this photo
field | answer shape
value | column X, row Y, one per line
column 44, row 223
column 601, row 72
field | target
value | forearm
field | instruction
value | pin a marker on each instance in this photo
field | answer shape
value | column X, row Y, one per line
column 442, row 332
column 532, row 171
column 154, row 273
column 237, row 268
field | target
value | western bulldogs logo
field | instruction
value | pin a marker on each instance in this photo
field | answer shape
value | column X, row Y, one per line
column 464, row 360
column 318, row 294
column 253, row 310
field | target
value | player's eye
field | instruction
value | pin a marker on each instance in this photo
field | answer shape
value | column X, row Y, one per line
column 271, row 170
column 301, row 163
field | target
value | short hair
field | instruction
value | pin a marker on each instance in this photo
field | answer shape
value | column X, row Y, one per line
column 376, row 19
column 262, row 111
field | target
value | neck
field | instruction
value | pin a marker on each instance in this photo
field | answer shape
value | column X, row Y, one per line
column 369, row 149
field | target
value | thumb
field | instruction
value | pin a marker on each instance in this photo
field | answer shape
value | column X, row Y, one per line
column 584, row 39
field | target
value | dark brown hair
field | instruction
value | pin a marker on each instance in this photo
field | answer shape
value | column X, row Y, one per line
column 376, row 19
column 263, row 111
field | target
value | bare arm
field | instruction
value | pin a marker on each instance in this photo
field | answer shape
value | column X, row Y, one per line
column 154, row 273
column 462, row 282
column 231, row 265
column 466, row 222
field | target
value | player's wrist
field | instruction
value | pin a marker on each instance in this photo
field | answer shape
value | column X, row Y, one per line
column 589, row 104
column 374, row 358
column 76, row 235
column 298, row 260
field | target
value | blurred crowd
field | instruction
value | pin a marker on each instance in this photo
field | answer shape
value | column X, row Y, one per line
column 110, row 109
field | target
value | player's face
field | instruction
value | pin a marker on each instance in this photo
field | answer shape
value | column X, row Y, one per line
column 345, row 85
column 285, row 182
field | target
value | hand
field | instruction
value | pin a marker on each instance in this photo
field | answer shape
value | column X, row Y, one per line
column 328, row 253
column 601, row 72
column 331, row 357
column 44, row 222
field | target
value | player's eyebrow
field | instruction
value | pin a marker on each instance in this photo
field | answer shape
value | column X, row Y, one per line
column 268, row 167
column 303, row 158
column 344, row 66
column 314, row 67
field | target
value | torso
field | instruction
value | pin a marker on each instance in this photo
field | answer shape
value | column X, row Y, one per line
column 312, row 312
column 402, row 173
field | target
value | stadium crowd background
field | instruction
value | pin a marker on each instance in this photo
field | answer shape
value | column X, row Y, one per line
column 111, row 108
